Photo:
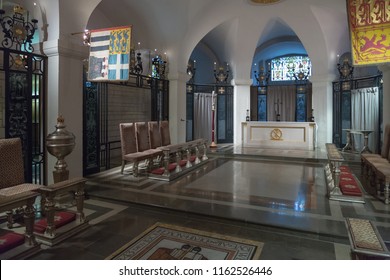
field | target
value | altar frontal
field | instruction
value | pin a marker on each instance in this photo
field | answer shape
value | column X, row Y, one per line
column 282, row 135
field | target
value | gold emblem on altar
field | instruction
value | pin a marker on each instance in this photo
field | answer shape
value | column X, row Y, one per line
column 276, row 134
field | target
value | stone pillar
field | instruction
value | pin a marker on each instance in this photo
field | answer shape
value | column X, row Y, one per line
column 322, row 106
column 177, row 106
column 242, row 101
column 65, row 96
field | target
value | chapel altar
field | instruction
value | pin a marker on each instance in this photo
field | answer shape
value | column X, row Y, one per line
column 282, row 135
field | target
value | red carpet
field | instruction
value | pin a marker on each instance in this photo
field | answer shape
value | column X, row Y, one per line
column 348, row 183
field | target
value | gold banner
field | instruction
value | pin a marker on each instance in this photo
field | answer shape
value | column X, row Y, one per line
column 369, row 25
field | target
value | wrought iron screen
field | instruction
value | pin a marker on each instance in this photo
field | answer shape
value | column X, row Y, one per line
column 342, row 106
column 100, row 147
column 24, row 76
column 224, row 111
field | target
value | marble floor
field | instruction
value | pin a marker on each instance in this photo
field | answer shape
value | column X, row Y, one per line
column 276, row 197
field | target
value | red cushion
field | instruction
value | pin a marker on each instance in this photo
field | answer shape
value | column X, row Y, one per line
column 347, row 180
column 60, row 219
column 350, row 188
column 10, row 240
column 352, row 192
column 348, row 184
column 345, row 168
column 192, row 158
column 160, row 171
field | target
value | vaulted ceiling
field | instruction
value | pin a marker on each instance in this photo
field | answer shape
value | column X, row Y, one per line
column 156, row 23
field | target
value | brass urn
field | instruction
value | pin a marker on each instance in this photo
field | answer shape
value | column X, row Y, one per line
column 60, row 143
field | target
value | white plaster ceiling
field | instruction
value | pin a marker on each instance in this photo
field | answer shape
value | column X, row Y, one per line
column 218, row 28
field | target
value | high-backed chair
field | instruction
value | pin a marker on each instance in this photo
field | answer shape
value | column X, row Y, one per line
column 154, row 134
column 129, row 147
column 143, row 141
column 164, row 132
column 12, row 180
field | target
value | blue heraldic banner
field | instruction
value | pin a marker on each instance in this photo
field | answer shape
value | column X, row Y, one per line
column 109, row 57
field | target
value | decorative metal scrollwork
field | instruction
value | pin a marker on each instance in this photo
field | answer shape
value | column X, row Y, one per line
column 17, row 31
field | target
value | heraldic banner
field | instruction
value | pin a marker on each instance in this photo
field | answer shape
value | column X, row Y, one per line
column 109, row 56
column 369, row 25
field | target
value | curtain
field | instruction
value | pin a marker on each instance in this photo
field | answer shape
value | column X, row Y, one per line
column 365, row 115
column 281, row 99
column 202, row 115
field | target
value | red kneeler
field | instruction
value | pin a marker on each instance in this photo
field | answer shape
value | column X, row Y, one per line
column 60, row 219
column 348, row 184
column 10, row 240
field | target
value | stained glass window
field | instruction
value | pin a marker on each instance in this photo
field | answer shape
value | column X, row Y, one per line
column 283, row 68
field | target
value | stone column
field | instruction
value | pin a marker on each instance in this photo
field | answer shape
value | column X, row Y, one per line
column 177, row 107
column 242, row 101
column 322, row 106
column 65, row 96
column 386, row 93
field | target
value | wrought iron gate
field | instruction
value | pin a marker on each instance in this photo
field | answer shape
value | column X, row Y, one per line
column 24, row 76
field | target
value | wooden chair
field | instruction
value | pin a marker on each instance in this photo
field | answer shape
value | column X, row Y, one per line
column 12, row 180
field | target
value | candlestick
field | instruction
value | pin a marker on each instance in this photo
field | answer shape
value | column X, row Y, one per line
column 213, row 145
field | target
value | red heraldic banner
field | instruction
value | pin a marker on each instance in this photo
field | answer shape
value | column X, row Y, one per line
column 369, row 25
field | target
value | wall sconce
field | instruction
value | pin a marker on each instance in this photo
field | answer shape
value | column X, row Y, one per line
column 158, row 67
column 222, row 75
column 262, row 77
column 138, row 68
column 346, row 73
column 345, row 70
column 87, row 37
column 17, row 30
column 302, row 73
column 191, row 71
column 136, row 61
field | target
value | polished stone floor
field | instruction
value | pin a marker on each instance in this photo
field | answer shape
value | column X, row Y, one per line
column 276, row 197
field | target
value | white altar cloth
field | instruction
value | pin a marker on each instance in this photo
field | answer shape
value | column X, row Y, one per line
column 283, row 135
